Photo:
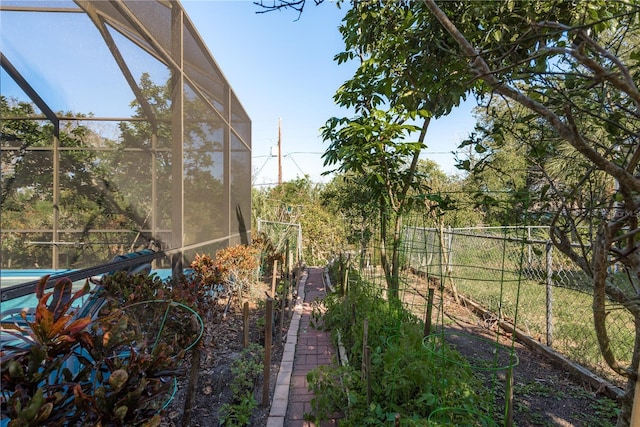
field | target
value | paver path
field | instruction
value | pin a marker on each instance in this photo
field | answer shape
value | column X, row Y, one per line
column 312, row 348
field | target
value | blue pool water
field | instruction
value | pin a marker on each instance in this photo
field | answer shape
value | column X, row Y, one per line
column 12, row 307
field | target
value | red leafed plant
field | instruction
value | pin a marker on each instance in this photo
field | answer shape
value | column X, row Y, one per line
column 230, row 273
column 206, row 269
column 114, row 369
column 239, row 260
column 44, row 344
column 231, row 263
column 53, row 328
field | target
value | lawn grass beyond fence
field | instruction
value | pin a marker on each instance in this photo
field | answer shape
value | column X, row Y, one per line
column 522, row 279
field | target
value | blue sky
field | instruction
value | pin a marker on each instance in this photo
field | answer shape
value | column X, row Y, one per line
column 281, row 66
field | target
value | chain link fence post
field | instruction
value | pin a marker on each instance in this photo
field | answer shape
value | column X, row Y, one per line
column 549, row 285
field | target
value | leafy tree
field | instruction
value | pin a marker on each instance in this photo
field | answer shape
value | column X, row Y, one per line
column 394, row 95
column 574, row 66
column 297, row 202
column 442, row 200
column 503, row 178
column 351, row 202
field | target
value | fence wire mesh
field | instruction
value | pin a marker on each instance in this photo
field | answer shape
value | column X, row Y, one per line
column 515, row 273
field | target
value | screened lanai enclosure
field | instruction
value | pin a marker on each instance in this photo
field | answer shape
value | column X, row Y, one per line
column 119, row 132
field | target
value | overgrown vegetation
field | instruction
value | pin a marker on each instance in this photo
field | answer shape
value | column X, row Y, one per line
column 392, row 376
column 117, row 368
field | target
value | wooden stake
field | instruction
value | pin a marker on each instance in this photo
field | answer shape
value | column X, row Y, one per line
column 367, row 357
column 427, row 320
column 283, row 306
column 508, row 422
column 192, row 387
column 245, row 324
column 635, row 409
column 274, row 278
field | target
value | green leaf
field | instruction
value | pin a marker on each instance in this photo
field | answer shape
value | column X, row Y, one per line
column 479, row 148
column 497, row 35
column 464, row 165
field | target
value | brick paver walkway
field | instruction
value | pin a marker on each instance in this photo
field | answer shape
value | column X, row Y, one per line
column 312, row 348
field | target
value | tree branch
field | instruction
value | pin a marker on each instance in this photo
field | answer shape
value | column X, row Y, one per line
column 625, row 84
column 570, row 133
column 297, row 5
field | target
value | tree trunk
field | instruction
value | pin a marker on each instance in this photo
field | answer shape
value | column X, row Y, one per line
column 394, row 284
column 624, row 419
column 599, row 263
column 445, row 262
column 363, row 245
column 383, row 245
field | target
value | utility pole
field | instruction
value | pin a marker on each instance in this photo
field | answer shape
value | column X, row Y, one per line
column 279, row 151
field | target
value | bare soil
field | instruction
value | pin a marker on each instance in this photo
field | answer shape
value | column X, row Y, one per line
column 544, row 393
column 210, row 371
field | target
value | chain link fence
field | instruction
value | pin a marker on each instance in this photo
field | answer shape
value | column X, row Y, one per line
column 515, row 273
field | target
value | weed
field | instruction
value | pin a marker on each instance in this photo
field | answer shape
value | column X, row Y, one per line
column 606, row 412
column 239, row 413
column 407, row 381
column 534, row 418
column 246, row 369
column 536, row 388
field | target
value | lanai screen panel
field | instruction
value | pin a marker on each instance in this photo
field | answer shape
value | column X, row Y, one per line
column 240, row 167
column 119, row 131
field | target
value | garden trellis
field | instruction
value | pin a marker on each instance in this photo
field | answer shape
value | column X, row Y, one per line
column 505, row 269
column 286, row 237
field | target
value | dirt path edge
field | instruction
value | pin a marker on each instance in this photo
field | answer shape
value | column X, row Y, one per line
column 610, row 390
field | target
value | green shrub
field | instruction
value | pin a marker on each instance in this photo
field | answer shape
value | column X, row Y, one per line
column 408, row 381
column 238, row 414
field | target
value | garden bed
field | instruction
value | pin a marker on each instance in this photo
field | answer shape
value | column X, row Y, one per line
column 221, row 346
column 545, row 392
